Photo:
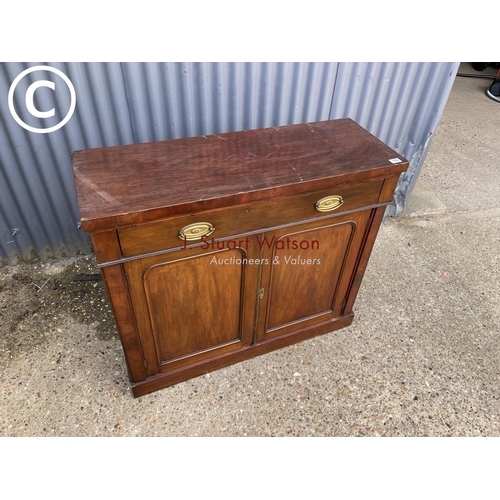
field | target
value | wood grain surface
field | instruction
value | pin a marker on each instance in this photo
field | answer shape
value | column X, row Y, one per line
column 126, row 185
column 277, row 270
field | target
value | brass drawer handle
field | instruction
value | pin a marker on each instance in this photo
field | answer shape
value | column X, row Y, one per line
column 196, row 231
column 329, row 203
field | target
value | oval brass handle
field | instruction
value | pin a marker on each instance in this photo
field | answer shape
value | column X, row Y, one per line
column 329, row 203
column 196, row 231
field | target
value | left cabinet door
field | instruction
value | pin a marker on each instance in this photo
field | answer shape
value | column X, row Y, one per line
column 193, row 305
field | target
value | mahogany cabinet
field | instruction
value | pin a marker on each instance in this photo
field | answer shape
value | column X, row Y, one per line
column 218, row 248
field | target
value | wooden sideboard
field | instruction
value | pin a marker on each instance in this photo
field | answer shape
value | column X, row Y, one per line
column 218, row 248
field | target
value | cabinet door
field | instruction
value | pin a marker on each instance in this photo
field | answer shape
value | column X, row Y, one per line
column 193, row 304
column 307, row 273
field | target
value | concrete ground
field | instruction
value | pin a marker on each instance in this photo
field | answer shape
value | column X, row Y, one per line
column 422, row 357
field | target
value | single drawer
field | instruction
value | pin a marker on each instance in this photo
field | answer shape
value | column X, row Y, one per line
column 231, row 221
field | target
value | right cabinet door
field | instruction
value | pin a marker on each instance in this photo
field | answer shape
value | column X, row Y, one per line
column 307, row 272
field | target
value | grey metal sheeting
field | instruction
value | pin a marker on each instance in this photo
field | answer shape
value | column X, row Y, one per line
column 124, row 103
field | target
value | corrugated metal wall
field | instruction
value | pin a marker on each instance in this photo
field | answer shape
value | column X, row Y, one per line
column 123, row 103
column 401, row 104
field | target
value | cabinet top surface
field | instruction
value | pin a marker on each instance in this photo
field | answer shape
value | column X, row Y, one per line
column 124, row 185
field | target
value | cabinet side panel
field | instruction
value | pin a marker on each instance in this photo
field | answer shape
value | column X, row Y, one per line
column 106, row 246
column 363, row 259
column 116, row 285
column 387, row 191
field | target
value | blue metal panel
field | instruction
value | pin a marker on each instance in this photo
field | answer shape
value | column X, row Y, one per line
column 123, row 103
column 400, row 103
column 37, row 194
column 169, row 101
